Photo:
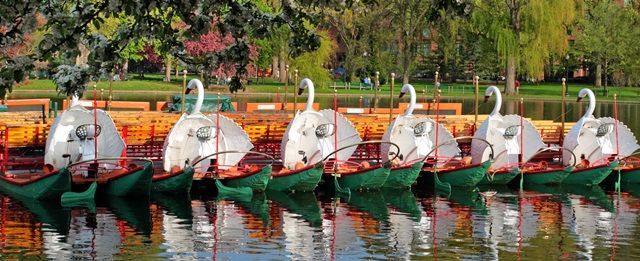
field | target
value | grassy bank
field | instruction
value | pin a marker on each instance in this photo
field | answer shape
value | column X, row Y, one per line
column 153, row 85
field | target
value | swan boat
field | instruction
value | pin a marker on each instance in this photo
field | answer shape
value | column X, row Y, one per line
column 304, row 145
column 211, row 147
column 181, row 147
column 591, row 139
column 87, row 142
column 445, row 164
column 414, row 138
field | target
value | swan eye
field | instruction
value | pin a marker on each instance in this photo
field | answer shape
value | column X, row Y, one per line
column 511, row 132
column 205, row 133
column 85, row 131
column 604, row 129
column 324, row 130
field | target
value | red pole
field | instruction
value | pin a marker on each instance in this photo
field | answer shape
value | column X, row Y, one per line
column 95, row 122
column 521, row 159
column 615, row 115
column 335, row 125
column 217, row 128
column 437, row 126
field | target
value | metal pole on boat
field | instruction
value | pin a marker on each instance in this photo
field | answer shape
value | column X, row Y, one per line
column 375, row 93
column 393, row 76
column 615, row 116
column 184, row 89
column 95, row 122
column 295, row 93
column 475, row 104
column 110, row 91
column 217, row 129
column 564, row 92
column 286, row 87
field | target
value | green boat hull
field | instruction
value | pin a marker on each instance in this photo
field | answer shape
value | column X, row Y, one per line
column 591, row 176
column 467, row 177
column 403, row 177
column 630, row 176
column 365, row 180
column 303, row 181
column 180, row 183
column 50, row 187
column 548, row 177
column 257, row 182
column 502, row 178
column 137, row 183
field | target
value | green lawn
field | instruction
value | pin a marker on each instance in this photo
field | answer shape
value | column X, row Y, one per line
column 154, row 83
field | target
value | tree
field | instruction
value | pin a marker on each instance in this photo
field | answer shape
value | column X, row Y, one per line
column 67, row 25
column 310, row 64
column 525, row 32
column 411, row 18
column 607, row 35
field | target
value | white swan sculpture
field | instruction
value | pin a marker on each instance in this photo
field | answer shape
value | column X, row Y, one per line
column 71, row 137
column 416, row 136
column 194, row 135
column 504, row 133
column 309, row 135
column 596, row 138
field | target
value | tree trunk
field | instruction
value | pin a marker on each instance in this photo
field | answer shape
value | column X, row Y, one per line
column 274, row 66
column 606, row 78
column 598, row 81
column 125, row 71
column 510, row 85
column 283, row 68
column 177, row 72
column 167, row 70
column 83, row 57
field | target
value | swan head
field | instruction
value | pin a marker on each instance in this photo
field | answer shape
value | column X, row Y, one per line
column 405, row 89
column 490, row 90
column 193, row 84
column 584, row 92
column 306, row 82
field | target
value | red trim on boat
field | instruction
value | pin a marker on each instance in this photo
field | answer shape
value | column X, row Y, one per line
column 548, row 170
column 166, row 175
column 576, row 170
column 445, row 171
column 83, row 180
column 243, row 175
column 629, row 169
column 291, row 172
column 23, row 182
column 360, row 171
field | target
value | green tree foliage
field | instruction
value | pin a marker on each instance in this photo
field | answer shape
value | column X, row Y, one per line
column 525, row 32
column 67, row 25
column 310, row 65
column 608, row 35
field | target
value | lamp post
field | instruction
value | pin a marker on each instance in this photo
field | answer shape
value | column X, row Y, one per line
column 566, row 72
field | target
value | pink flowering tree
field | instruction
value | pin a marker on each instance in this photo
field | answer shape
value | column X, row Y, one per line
column 206, row 52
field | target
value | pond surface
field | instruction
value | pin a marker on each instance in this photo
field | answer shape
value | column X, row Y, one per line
column 485, row 224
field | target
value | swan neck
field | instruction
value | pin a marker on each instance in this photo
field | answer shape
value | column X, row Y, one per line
column 412, row 101
column 75, row 100
column 310, row 97
column 200, row 99
column 592, row 104
column 496, row 107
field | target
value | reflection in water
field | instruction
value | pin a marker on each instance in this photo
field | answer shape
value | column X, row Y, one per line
column 490, row 223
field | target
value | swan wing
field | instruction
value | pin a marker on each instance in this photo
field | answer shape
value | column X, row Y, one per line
column 479, row 149
column 583, row 141
column 232, row 138
column 530, row 136
column 346, row 131
column 626, row 139
column 449, row 149
column 182, row 144
column 301, row 142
